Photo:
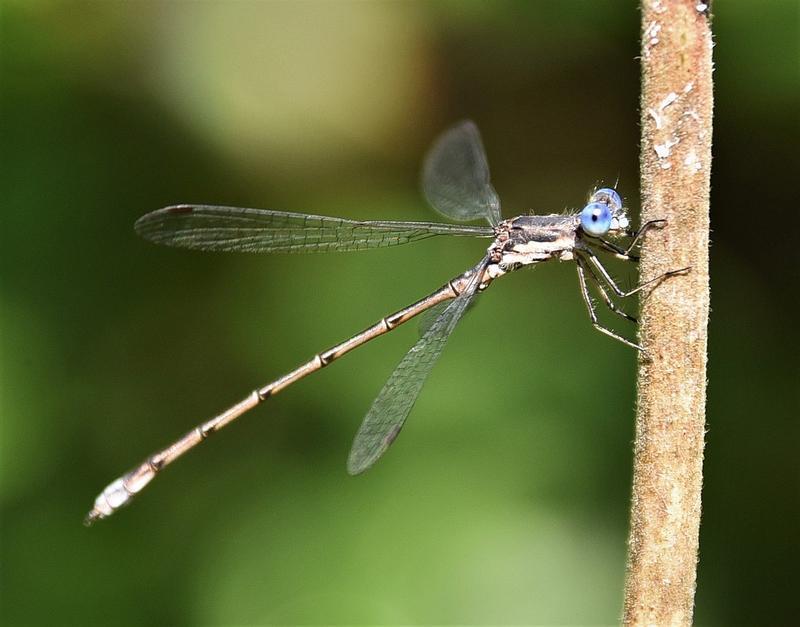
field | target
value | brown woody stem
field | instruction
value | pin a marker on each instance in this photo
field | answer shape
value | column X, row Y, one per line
column 676, row 117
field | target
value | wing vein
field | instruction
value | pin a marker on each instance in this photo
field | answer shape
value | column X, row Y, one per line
column 204, row 227
column 391, row 407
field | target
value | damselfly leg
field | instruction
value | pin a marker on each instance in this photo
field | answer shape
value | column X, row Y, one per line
column 587, row 299
column 612, row 284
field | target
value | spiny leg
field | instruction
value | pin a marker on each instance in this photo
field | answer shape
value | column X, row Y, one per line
column 590, row 307
column 619, row 253
column 603, row 293
column 625, row 253
column 642, row 230
column 619, row 292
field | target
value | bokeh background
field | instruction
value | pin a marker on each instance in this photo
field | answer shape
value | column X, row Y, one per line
column 506, row 498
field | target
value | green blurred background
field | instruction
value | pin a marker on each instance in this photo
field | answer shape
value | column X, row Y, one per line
column 506, row 498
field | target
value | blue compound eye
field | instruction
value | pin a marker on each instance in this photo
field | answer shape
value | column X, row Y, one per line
column 608, row 196
column 596, row 218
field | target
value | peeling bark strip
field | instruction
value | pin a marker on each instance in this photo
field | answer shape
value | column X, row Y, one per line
column 676, row 120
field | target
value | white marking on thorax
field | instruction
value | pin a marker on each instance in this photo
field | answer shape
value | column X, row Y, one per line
column 566, row 255
column 494, row 270
column 533, row 251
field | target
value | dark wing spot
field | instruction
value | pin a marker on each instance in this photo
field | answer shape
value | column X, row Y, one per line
column 180, row 209
column 390, row 437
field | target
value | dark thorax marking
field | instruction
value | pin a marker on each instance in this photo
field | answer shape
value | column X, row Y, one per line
column 528, row 240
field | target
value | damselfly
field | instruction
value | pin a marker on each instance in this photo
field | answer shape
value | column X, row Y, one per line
column 456, row 183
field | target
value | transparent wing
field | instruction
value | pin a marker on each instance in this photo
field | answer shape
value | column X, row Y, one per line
column 428, row 317
column 388, row 413
column 455, row 177
column 203, row 227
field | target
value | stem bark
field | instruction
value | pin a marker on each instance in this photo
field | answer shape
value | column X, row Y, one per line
column 676, row 119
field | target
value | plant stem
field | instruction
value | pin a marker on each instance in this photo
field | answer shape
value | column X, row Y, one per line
column 676, row 116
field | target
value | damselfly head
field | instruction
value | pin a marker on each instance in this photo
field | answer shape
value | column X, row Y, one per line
column 604, row 213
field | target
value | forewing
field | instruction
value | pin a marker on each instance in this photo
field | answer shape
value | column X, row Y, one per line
column 388, row 413
column 204, row 227
column 455, row 176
